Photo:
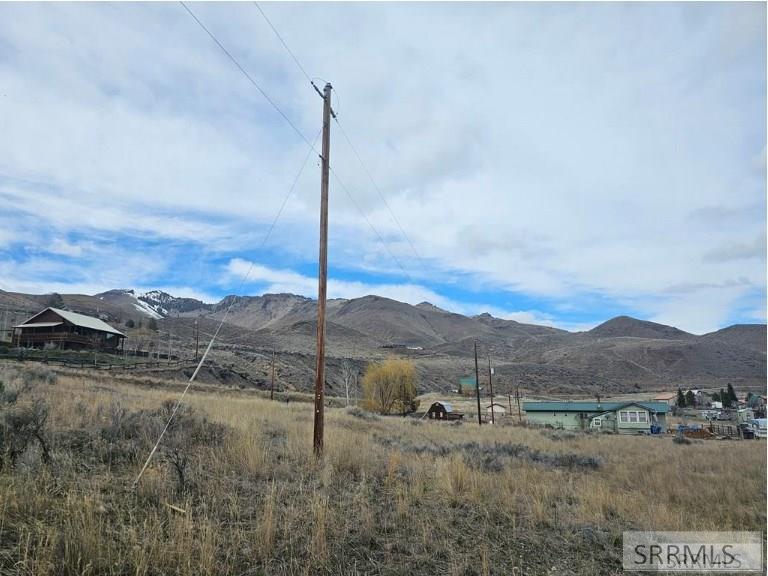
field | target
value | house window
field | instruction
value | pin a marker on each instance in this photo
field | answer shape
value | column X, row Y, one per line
column 643, row 416
column 623, row 416
column 633, row 416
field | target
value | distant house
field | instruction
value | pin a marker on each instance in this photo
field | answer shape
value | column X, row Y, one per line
column 668, row 397
column 499, row 410
column 620, row 417
column 467, row 385
column 443, row 411
column 65, row 329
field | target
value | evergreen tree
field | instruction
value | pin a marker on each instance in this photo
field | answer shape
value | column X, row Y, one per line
column 55, row 301
column 732, row 394
column 690, row 399
column 725, row 399
column 680, row 399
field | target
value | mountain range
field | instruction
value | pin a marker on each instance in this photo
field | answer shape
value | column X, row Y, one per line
column 623, row 354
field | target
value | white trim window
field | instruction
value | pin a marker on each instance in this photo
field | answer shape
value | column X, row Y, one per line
column 633, row 416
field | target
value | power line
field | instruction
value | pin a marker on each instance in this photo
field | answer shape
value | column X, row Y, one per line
column 312, row 147
column 378, row 190
column 372, row 227
column 303, row 71
column 248, row 76
column 354, row 150
column 344, row 134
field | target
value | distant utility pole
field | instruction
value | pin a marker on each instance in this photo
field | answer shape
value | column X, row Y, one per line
column 272, row 385
column 490, row 384
column 197, row 338
column 322, row 277
column 517, row 396
column 477, row 389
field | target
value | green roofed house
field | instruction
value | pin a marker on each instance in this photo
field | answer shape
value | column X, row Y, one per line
column 620, row 417
column 467, row 385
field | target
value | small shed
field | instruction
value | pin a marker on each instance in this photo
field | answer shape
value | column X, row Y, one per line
column 443, row 411
column 668, row 397
column 498, row 410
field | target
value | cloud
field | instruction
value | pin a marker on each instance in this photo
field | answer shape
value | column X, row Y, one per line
column 738, row 251
column 566, row 152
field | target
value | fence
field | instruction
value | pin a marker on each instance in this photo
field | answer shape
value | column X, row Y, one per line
column 87, row 361
column 729, row 430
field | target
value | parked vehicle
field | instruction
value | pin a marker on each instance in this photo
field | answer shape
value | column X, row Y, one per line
column 759, row 427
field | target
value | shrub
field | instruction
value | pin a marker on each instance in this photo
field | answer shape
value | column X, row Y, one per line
column 23, row 424
column 358, row 412
column 390, row 386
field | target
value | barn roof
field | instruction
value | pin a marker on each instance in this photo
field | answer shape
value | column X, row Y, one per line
column 447, row 406
column 73, row 318
column 661, row 407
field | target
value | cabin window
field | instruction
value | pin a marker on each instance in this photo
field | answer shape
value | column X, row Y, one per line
column 623, row 417
column 633, row 416
column 643, row 416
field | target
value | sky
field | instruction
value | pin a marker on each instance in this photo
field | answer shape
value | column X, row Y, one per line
column 555, row 163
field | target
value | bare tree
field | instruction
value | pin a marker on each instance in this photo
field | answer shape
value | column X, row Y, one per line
column 348, row 375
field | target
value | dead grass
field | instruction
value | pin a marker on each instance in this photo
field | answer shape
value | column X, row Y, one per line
column 387, row 498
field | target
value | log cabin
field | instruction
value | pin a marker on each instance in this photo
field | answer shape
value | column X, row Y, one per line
column 56, row 328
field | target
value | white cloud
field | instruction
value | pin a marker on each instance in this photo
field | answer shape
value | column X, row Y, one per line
column 567, row 149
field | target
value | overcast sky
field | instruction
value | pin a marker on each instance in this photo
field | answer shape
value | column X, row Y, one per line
column 550, row 163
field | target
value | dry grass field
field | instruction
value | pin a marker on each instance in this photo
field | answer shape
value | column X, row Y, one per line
column 235, row 488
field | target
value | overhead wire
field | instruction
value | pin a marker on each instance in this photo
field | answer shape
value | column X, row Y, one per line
column 248, row 76
column 357, row 155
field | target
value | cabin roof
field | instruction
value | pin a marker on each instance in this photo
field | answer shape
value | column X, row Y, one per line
column 73, row 318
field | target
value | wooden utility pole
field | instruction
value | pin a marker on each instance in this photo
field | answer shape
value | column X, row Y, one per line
column 272, row 385
column 517, row 396
column 197, row 339
column 477, row 389
column 322, row 275
column 490, row 384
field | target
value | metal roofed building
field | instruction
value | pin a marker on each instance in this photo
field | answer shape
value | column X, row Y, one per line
column 619, row 417
column 443, row 411
column 54, row 327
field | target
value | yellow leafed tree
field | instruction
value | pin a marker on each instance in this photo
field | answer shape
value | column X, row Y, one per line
column 390, row 386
